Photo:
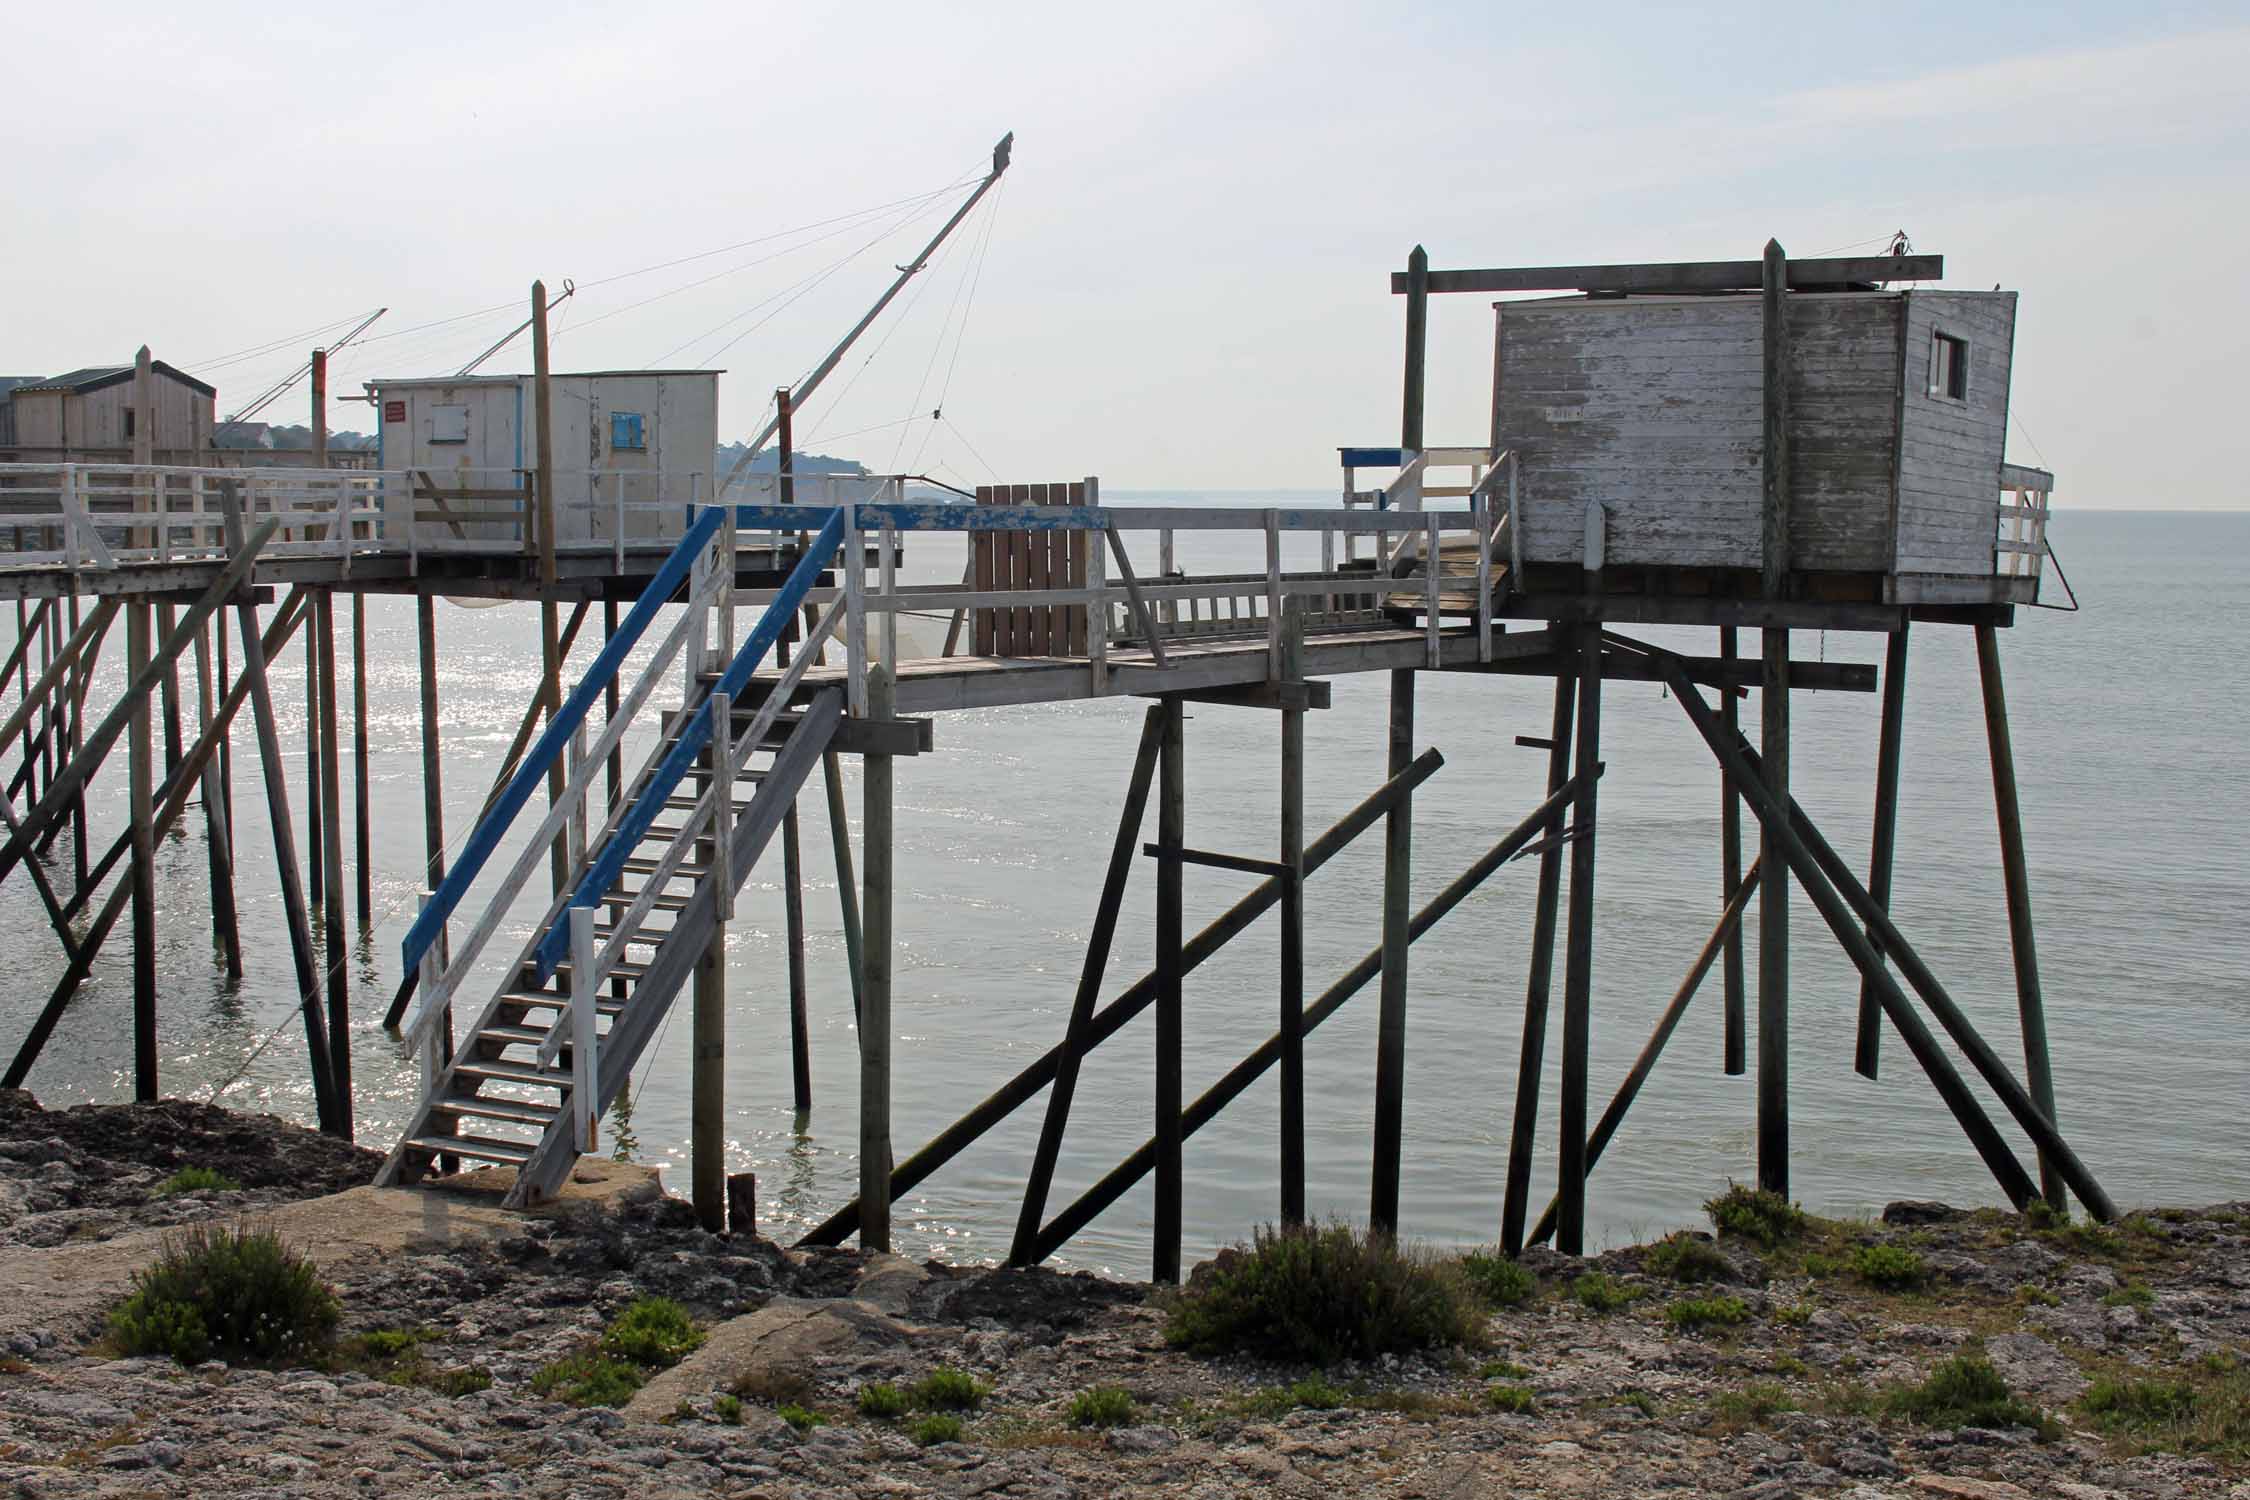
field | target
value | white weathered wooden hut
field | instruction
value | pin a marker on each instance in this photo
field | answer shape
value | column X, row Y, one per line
column 643, row 438
column 1897, row 411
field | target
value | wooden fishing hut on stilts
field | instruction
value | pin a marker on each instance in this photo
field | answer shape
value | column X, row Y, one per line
column 1760, row 445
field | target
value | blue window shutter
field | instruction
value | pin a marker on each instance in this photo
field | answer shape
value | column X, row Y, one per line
column 625, row 430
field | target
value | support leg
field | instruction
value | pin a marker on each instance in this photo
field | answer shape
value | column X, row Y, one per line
column 1531, row 1065
column 1292, row 1029
column 875, row 998
column 1867, row 1054
column 1171, row 837
column 1734, row 1046
column 1773, row 931
column 2031, row 1004
column 332, row 848
column 1390, row 1023
column 1578, row 953
column 847, row 884
column 218, row 839
column 360, row 817
column 140, row 753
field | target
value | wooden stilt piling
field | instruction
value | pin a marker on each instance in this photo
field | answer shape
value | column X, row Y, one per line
column 1532, row 1060
column 1868, row 1049
column 1773, row 709
column 332, row 847
column 1390, row 1023
column 2031, row 1005
column 219, row 839
column 1171, row 837
column 1578, row 955
column 139, row 753
column 1292, row 1028
column 875, row 993
column 1734, row 1044
column 365, row 884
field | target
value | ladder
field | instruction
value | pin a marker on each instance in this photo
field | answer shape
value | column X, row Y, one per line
column 565, row 1023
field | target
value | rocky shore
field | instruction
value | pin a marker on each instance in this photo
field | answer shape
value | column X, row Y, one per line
column 1781, row 1380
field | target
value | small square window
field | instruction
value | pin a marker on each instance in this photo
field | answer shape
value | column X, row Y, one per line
column 129, row 416
column 449, row 424
column 626, row 431
column 1949, row 367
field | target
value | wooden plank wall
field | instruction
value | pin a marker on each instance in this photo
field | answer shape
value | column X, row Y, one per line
column 1651, row 405
column 1950, row 451
column 1005, row 560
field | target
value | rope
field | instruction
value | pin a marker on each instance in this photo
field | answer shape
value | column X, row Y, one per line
column 937, row 412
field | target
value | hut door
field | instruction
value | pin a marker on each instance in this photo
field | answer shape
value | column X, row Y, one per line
column 1004, row 561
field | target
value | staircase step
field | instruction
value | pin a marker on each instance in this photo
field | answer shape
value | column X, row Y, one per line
column 624, row 968
column 604, row 1005
column 623, row 898
column 500, row 1070
column 638, row 865
column 689, row 804
column 520, row 1111
column 477, row 1147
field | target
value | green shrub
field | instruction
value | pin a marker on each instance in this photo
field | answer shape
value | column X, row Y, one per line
column 589, row 1380
column 1324, row 1294
column 2138, row 1405
column 1965, row 1391
column 1892, row 1267
column 460, row 1380
column 1640, row 1401
column 1684, row 1257
column 727, row 1409
column 936, row 1427
column 882, row 1401
column 2132, row 1294
column 1756, row 1214
column 800, row 1418
column 1820, row 1267
column 1597, row 1292
column 1102, row 1406
column 2036, row 1296
column 1794, row 1314
column 1501, row 1369
column 1693, row 1313
column 1754, row 1403
column 1516, row 1400
column 653, row 1331
column 196, row 1180
column 1501, row 1282
column 947, row 1389
column 2042, row 1215
column 238, row 1294
column 389, row 1343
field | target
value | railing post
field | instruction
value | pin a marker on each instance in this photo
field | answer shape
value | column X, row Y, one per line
column 726, row 586
column 584, row 989
column 1097, row 597
column 433, row 983
column 722, row 794
column 1165, row 564
column 1483, row 521
column 70, row 508
column 855, row 612
column 887, row 538
column 1430, row 567
column 577, row 795
column 1273, row 595
column 1515, row 525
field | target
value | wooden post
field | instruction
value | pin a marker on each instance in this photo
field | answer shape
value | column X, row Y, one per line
column 332, row 846
column 166, row 619
column 708, row 1106
column 1171, row 838
column 144, row 438
column 847, row 884
column 360, row 812
column 1417, row 344
column 320, row 416
column 139, row 754
column 1390, row 1024
column 2031, row 1004
column 1578, row 953
column 875, row 990
column 1773, row 898
column 1292, row 1029
column 785, row 458
column 793, row 932
column 218, row 838
column 1867, row 1054
column 316, row 863
column 550, row 681
column 1734, row 1045
column 433, row 800
column 1532, row 1062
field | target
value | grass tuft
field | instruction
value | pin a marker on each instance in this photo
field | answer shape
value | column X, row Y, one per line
column 1756, row 1214
column 1754, row 1403
column 800, row 1418
column 1103, row 1406
column 238, row 1294
column 947, row 1389
column 727, row 1409
column 1691, row 1314
column 1601, row 1293
column 195, row 1180
column 936, row 1427
column 589, row 1379
column 1687, row 1257
column 1500, row 1281
column 882, row 1401
column 654, row 1331
column 1323, row 1294
column 1891, row 1267
column 1516, row 1400
column 1965, row 1391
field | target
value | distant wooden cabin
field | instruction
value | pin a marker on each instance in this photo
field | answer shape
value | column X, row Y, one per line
column 89, row 416
column 1652, row 405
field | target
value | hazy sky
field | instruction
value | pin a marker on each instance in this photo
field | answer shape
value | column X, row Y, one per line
column 1183, row 280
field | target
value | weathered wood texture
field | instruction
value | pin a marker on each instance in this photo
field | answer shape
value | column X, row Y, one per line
column 1651, row 405
column 1020, row 560
column 1950, row 449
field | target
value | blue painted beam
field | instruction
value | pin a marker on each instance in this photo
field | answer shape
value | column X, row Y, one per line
column 1372, row 458
column 543, row 753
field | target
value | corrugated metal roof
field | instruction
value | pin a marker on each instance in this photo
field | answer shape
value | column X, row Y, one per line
column 407, row 380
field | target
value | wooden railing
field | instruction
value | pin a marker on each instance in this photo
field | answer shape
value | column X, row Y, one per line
column 2020, row 549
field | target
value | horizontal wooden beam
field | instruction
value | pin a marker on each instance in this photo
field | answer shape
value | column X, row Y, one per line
column 1683, row 276
column 1240, row 864
column 1283, row 695
column 1711, row 671
column 2024, row 477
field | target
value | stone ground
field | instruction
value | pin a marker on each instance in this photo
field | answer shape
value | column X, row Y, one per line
column 1618, row 1404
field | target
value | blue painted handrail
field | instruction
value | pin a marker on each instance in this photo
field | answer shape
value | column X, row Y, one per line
column 602, row 871
column 544, row 752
